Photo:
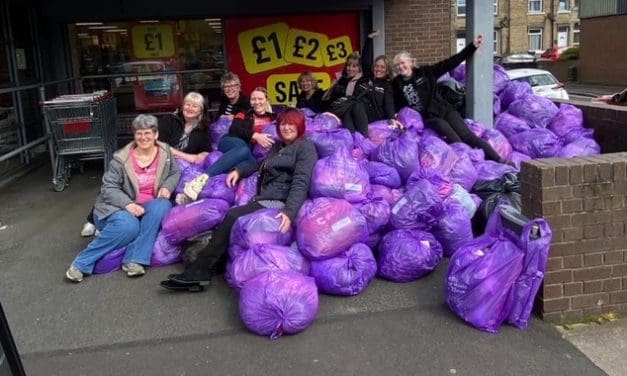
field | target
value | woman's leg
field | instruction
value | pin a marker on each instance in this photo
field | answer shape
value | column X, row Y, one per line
column 443, row 129
column 466, row 135
column 360, row 118
column 116, row 231
column 235, row 151
column 203, row 268
column 139, row 250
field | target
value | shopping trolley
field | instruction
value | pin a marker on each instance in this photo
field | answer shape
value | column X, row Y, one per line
column 81, row 127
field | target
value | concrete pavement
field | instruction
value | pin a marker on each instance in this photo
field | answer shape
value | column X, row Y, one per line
column 110, row 325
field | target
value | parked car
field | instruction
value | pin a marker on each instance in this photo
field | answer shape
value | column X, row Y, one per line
column 516, row 59
column 542, row 82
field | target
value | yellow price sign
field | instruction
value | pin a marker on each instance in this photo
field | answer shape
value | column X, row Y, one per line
column 337, row 50
column 262, row 48
column 283, row 88
column 153, row 40
column 305, row 47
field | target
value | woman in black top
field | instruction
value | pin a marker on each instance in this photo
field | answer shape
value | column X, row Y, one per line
column 284, row 180
column 233, row 100
column 310, row 95
column 186, row 131
column 417, row 88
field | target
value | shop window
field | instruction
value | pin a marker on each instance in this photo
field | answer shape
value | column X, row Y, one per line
column 535, row 39
column 535, row 6
column 150, row 65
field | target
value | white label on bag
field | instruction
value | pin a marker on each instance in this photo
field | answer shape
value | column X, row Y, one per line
column 399, row 205
column 353, row 187
column 337, row 226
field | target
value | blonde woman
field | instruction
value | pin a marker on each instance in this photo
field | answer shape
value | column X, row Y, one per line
column 310, row 95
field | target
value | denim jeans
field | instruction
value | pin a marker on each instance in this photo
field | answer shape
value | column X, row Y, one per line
column 236, row 152
column 123, row 229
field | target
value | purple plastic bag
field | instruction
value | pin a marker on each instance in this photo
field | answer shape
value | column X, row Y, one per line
column 510, row 125
column 246, row 190
column 460, row 196
column 400, row 152
column 380, row 173
column 406, row 255
column 348, row 273
column 459, row 73
column 499, row 143
column 330, row 141
column 259, row 227
column 496, row 105
column 188, row 175
column 379, row 131
column 182, row 163
column 500, row 79
column 537, row 143
column 389, row 195
column 210, row 159
column 308, row 112
column 475, row 155
column 437, row 155
column 259, row 152
column 419, row 208
column 184, row 221
column 410, row 118
column 264, row 258
column 454, row 229
column 578, row 133
column 340, row 176
column 567, row 119
column 441, row 183
column 376, row 211
column 537, row 111
column 580, row 148
column 110, row 262
column 516, row 158
column 512, row 91
column 219, row 129
column 464, row 172
column 216, row 188
column 490, row 170
column 528, row 283
column 163, row 253
column 364, row 144
column 323, row 122
column 328, row 226
column 475, row 127
column 277, row 303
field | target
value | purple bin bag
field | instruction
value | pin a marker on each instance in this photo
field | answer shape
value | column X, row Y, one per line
column 510, row 125
column 382, row 174
column 410, row 118
column 406, row 255
column 364, row 144
column 517, row 158
column 163, row 253
column 464, row 172
column 276, row 303
column 512, row 91
column 187, row 175
column 379, row 131
column 348, row 273
column 569, row 118
column 329, row 226
column 537, row 111
column 340, row 176
column 441, row 183
column 475, row 155
column 210, row 159
column 400, row 152
column 246, row 190
column 219, row 129
column 216, row 188
column 110, row 262
column 490, row 170
column 389, row 195
column 376, row 211
column 436, row 155
column 263, row 258
column 419, row 208
column 536, row 143
column 182, row 164
column 499, row 143
column 259, row 152
column 500, row 79
column 259, row 227
column 323, row 122
column 454, row 229
column 328, row 142
column 580, row 148
column 184, row 221
column 475, row 127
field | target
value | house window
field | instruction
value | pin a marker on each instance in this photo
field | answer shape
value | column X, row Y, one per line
column 496, row 6
column 535, row 6
column 564, row 6
column 576, row 34
column 461, row 7
column 535, row 39
column 495, row 35
column 460, row 41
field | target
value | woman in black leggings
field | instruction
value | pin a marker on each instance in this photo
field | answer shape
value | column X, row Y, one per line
column 417, row 88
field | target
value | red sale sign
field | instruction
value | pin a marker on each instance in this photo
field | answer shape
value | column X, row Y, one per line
column 273, row 51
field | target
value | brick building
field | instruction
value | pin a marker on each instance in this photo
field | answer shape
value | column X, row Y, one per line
column 523, row 25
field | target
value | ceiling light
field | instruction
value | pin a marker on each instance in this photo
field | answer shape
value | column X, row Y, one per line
column 101, row 27
column 88, row 23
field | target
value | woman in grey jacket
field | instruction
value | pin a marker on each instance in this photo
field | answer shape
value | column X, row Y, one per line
column 133, row 199
column 283, row 183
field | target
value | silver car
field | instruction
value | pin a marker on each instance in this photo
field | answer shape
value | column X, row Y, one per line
column 542, row 82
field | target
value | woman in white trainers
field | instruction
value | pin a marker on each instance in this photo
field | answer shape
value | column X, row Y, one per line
column 246, row 130
column 133, row 199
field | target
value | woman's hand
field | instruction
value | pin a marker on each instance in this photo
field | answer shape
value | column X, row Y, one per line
column 232, row 178
column 395, row 124
column 374, row 33
column 200, row 157
column 286, row 222
column 164, row 193
column 478, row 40
column 263, row 139
column 135, row 209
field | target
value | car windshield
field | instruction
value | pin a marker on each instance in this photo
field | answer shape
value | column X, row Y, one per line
column 538, row 80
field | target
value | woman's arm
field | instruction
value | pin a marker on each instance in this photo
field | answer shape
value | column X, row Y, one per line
column 449, row 64
column 172, row 175
column 305, row 160
column 388, row 101
column 366, row 55
column 112, row 182
column 241, row 127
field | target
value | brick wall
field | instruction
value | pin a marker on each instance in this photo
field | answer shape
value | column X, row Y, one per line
column 418, row 26
column 609, row 124
column 585, row 202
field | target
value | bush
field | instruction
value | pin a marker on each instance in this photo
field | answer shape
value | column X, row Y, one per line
column 570, row 54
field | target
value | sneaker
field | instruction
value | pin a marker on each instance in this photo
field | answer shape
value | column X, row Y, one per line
column 182, row 199
column 195, row 186
column 88, row 229
column 73, row 274
column 133, row 270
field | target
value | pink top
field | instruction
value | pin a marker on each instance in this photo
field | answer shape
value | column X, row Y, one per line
column 146, row 178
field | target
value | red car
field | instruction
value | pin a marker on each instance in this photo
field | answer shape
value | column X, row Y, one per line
column 553, row 53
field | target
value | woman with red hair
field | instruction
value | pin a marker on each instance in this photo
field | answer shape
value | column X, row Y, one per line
column 284, row 179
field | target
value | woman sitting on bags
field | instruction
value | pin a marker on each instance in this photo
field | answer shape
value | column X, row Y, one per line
column 417, row 88
column 310, row 95
column 284, row 180
column 134, row 197
column 246, row 130
column 373, row 96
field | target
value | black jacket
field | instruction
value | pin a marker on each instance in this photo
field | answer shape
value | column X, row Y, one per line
column 242, row 105
column 172, row 126
column 285, row 175
column 424, row 80
column 378, row 96
column 243, row 125
column 314, row 103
